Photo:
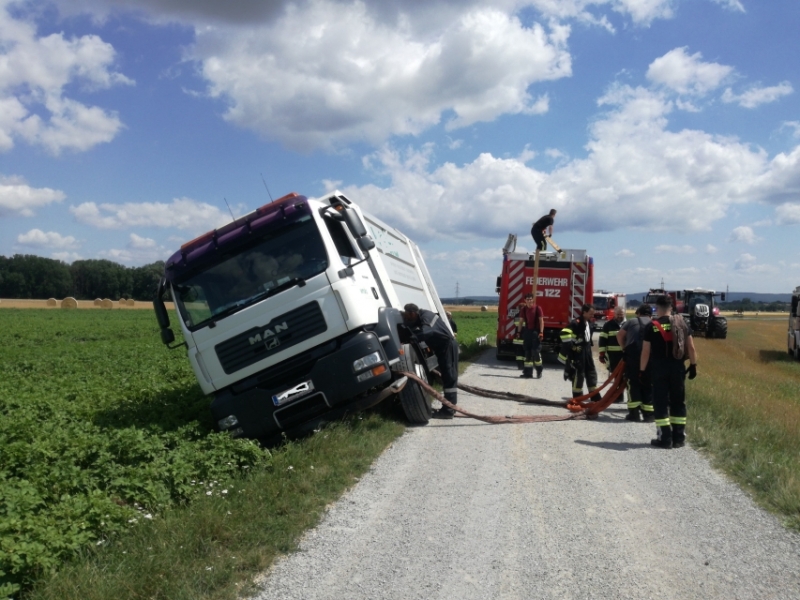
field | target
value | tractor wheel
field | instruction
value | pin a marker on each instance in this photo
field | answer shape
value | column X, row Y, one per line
column 721, row 329
column 416, row 402
column 797, row 352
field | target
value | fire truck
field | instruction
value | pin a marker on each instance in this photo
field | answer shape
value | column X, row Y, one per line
column 565, row 283
column 604, row 304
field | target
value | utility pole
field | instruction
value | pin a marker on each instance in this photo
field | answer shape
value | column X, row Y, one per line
column 456, row 292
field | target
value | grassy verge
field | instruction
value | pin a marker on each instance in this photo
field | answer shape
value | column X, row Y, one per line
column 214, row 548
column 473, row 325
column 745, row 413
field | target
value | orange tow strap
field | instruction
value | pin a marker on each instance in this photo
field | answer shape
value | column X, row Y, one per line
column 581, row 407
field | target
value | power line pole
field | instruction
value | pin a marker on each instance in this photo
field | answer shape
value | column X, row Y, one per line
column 456, row 292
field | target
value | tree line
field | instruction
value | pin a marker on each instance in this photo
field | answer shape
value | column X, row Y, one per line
column 24, row 276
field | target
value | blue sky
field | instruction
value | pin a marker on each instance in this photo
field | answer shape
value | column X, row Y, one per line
column 665, row 132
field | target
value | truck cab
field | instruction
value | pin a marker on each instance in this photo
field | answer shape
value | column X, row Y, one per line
column 290, row 315
column 605, row 303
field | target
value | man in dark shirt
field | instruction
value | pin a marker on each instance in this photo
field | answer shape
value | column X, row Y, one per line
column 543, row 227
column 576, row 353
column 532, row 328
column 667, row 373
column 428, row 327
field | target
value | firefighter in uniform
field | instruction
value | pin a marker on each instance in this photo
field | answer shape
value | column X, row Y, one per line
column 428, row 327
column 532, row 324
column 519, row 343
column 640, row 392
column 667, row 373
column 576, row 352
column 610, row 350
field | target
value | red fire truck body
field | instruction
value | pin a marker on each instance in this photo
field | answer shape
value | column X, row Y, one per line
column 566, row 282
column 604, row 304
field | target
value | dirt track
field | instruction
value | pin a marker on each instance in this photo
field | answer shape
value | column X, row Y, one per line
column 576, row 509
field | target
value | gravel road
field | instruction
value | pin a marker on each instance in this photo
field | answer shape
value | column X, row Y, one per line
column 577, row 509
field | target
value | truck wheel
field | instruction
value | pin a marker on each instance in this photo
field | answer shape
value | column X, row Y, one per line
column 721, row 329
column 416, row 402
column 797, row 352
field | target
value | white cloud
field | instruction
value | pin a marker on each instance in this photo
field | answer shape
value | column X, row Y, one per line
column 756, row 96
column 36, row 238
column 793, row 125
column 139, row 242
column 743, row 234
column 182, row 213
column 687, row 74
column 17, row 198
column 747, row 263
column 732, row 4
column 352, row 77
column 669, row 249
column 788, row 214
column 710, row 249
column 688, row 180
column 67, row 257
column 36, row 72
column 625, row 253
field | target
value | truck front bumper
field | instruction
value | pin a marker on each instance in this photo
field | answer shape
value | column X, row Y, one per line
column 303, row 390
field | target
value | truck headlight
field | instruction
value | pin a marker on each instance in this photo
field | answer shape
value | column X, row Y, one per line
column 366, row 361
column 228, row 422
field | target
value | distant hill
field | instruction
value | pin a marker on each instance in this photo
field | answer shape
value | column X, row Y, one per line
column 733, row 297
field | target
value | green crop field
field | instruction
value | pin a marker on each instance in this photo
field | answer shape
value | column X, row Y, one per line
column 101, row 427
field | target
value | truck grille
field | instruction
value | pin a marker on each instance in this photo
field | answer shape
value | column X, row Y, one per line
column 279, row 334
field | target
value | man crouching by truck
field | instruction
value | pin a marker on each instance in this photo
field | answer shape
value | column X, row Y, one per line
column 428, row 327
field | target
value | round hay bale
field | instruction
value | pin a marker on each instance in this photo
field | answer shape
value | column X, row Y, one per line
column 131, row 302
column 484, row 308
column 52, row 302
column 69, row 303
column 122, row 302
column 98, row 302
column 106, row 303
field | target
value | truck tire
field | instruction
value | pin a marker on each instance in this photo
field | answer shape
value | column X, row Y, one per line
column 797, row 352
column 416, row 402
column 721, row 328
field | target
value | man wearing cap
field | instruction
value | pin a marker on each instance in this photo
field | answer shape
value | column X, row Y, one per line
column 428, row 327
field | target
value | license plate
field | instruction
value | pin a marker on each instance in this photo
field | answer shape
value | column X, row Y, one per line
column 298, row 391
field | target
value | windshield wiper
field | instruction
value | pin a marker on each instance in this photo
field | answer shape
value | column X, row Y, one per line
column 294, row 281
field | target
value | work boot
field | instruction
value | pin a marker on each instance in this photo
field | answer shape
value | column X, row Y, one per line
column 527, row 373
column 664, row 439
column 539, row 372
column 678, row 436
column 648, row 417
column 443, row 413
column 633, row 415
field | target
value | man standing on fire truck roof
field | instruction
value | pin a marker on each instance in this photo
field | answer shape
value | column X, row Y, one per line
column 532, row 326
column 610, row 350
column 576, row 353
column 428, row 327
column 543, row 227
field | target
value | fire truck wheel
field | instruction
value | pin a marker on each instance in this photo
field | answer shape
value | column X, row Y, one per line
column 797, row 352
column 415, row 401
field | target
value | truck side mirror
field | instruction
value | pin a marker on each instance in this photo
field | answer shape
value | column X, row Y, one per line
column 679, row 295
column 722, row 296
column 162, row 316
column 356, row 227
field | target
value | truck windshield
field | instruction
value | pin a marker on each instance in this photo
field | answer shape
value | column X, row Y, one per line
column 276, row 261
column 600, row 302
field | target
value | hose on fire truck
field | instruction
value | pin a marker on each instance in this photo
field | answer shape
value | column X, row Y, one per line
column 581, row 407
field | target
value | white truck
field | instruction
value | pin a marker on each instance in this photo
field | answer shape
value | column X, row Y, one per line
column 291, row 316
column 794, row 325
